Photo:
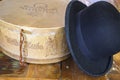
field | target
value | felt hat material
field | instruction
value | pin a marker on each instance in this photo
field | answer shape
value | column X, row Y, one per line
column 93, row 35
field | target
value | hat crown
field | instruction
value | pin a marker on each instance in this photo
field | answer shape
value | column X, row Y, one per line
column 100, row 29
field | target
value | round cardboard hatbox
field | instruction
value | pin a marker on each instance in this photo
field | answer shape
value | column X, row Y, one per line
column 40, row 25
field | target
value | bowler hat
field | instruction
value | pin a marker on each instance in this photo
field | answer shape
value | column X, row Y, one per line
column 93, row 35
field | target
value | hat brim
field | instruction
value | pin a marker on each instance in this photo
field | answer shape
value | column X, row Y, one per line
column 94, row 68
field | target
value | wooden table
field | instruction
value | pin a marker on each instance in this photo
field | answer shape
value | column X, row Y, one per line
column 66, row 70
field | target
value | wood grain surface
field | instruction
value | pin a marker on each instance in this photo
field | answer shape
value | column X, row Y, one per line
column 66, row 70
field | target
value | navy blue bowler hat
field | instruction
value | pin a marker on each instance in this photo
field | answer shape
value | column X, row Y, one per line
column 93, row 35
